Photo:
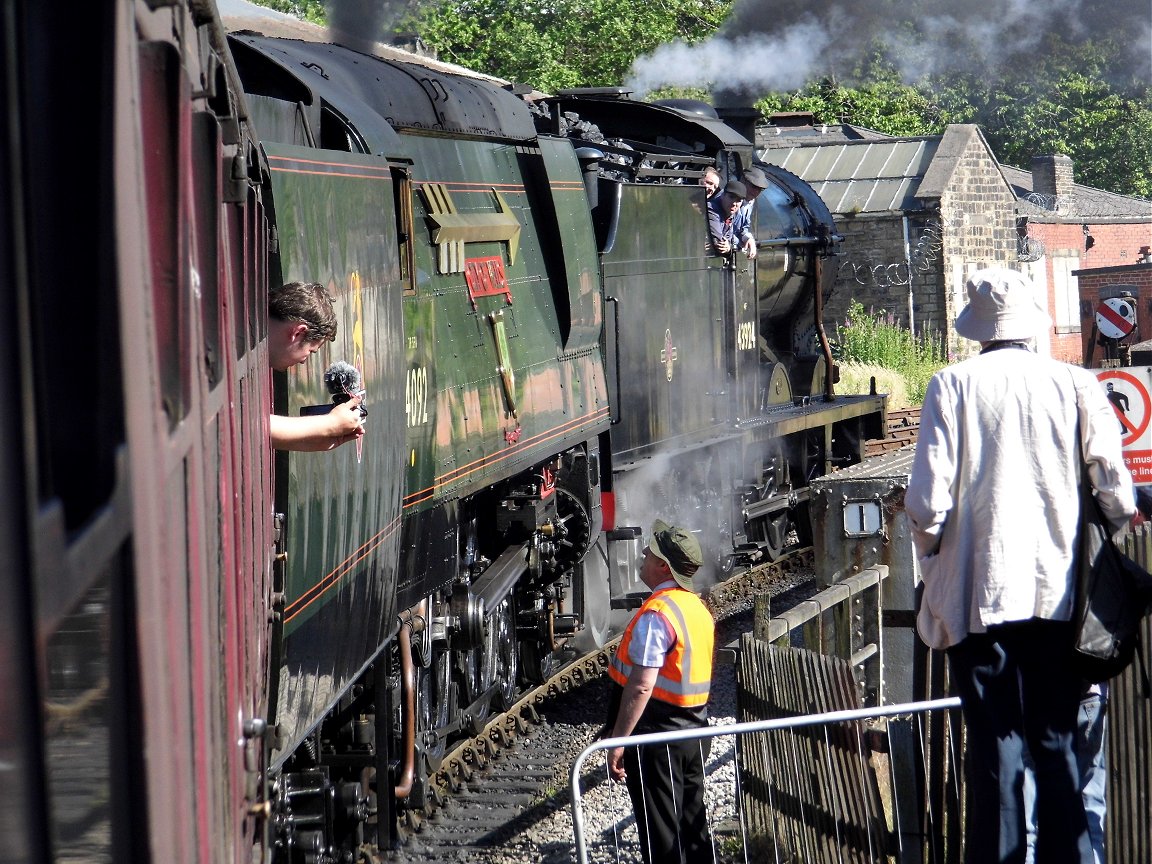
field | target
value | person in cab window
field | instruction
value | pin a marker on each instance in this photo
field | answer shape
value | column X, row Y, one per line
column 722, row 209
column 710, row 181
column 755, row 182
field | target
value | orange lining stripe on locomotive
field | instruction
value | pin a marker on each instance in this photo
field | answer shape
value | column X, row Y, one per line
column 332, row 174
column 465, row 185
column 339, row 572
column 385, row 169
column 485, row 461
column 414, row 498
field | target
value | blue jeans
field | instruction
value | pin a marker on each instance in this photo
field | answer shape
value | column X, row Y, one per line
column 1092, row 760
column 1016, row 691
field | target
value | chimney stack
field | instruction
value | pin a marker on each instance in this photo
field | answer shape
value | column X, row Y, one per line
column 741, row 118
column 1052, row 175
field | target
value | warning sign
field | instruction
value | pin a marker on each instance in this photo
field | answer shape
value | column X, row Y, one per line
column 1127, row 390
column 1115, row 318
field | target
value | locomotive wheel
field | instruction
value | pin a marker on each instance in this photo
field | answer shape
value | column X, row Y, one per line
column 505, row 657
column 776, row 535
column 433, row 706
column 538, row 661
column 476, row 667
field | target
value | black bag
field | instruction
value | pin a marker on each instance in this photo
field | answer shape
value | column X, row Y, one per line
column 1113, row 594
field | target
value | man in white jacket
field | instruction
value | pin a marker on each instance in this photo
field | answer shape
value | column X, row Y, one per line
column 993, row 499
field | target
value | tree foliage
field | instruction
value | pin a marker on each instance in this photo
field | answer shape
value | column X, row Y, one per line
column 1058, row 97
column 882, row 101
column 1069, row 103
column 562, row 43
column 1068, row 100
column 306, row 10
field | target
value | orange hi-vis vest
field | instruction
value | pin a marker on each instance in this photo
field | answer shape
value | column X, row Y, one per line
column 686, row 675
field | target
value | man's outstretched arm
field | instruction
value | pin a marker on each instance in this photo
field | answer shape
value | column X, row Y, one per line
column 342, row 424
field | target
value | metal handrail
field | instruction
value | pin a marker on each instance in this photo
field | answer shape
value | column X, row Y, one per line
column 734, row 729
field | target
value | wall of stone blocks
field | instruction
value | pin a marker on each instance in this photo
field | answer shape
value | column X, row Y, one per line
column 979, row 210
column 873, row 269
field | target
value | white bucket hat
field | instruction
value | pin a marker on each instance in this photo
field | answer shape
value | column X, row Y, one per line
column 1001, row 306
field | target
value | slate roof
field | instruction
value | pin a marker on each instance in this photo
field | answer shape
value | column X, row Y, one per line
column 1084, row 203
column 858, row 170
column 775, row 136
column 879, row 175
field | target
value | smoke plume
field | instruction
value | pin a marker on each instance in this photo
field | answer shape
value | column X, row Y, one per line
column 782, row 44
column 360, row 24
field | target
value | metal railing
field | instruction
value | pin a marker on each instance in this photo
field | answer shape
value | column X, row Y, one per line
column 737, row 730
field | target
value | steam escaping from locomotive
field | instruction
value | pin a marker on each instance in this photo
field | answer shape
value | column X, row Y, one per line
column 782, row 44
column 768, row 61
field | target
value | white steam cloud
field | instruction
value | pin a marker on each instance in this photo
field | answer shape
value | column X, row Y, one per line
column 776, row 62
column 782, row 44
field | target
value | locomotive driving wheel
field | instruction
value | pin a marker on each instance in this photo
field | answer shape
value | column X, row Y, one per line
column 433, row 706
column 775, row 534
column 505, row 658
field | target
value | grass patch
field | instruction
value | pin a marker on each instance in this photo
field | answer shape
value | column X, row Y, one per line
column 878, row 343
column 857, row 378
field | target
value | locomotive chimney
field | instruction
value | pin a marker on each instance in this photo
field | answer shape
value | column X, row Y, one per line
column 735, row 109
column 743, row 120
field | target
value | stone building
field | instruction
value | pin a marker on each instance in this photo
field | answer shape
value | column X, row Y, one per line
column 917, row 214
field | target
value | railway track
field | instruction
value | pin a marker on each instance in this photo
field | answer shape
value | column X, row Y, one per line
column 489, row 787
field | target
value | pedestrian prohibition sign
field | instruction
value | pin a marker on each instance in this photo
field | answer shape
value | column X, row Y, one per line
column 1128, row 394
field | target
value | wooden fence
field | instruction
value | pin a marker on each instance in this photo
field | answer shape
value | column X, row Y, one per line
column 812, row 791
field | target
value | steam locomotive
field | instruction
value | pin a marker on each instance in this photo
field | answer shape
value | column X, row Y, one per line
column 217, row 654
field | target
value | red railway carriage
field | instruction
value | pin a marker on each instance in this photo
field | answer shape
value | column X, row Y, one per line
column 547, row 352
column 138, row 520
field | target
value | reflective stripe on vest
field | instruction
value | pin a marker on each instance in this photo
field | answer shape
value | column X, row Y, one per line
column 686, row 675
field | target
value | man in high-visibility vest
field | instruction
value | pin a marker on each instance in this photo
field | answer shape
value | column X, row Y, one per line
column 663, row 669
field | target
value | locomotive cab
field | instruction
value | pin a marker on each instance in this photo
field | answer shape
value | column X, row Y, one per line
column 713, row 361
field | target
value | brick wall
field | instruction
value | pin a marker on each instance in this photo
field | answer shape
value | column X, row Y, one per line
column 1095, row 284
column 1114, row 244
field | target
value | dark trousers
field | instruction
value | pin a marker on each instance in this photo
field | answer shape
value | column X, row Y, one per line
column 666, row 785
column 1016, row 686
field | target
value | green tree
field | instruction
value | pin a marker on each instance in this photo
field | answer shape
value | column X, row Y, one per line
column 562, row 43
column 1071, row 102
column 307, row 10
column 880, row 101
